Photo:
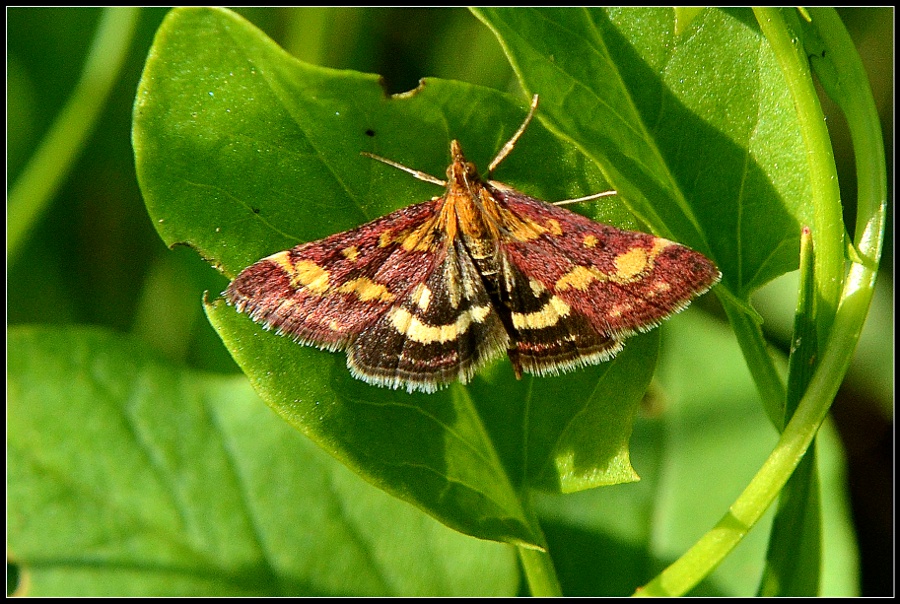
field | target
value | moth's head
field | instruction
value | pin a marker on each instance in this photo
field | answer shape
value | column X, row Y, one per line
column 460, row 170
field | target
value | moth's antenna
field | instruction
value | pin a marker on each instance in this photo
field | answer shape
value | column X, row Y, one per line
column 586, row 198
column 416, row 173
column 515, row 137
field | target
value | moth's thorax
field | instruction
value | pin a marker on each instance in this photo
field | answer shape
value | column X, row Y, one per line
column 471, row 213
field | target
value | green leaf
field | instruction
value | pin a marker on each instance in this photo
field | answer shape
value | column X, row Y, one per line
column 130, row 477
column 461, row 454
column 695, row 129
column 243, row 151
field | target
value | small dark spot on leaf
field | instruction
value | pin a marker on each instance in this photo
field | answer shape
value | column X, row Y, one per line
column 255, row 210
column 370, row 132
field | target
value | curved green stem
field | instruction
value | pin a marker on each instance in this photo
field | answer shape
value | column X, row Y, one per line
column 34, row 189
column 749, row 507
column 782, row 30
column 845, row 81
column 849, row 81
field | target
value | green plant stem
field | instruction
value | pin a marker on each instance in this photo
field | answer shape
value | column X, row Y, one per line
column 847, row 84
column 39, row 181
column 540, row 572
column 791, row 568
column 781, row 28
column 761, row 364
column 856, row 295
column 793, row 558
column 537, row 563
column 749, row 507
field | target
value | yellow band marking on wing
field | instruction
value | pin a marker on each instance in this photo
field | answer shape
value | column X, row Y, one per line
column 554, row 227
column 421, row 296
column 367, row 290
column 311, row 276
column 351, row 253
column 630, row 266
column 537, row 288
column 418, row 331
column 579, row 278
column 548, row 315
column 304, row 274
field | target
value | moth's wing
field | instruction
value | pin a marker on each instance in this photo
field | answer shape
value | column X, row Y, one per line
column 547, row 337
column 326, row 292
column 592, row 278
column 441, row 331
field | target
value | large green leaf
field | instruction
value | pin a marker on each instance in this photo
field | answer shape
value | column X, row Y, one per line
column 242, row 151
column 129, row 476
column 461, row 454
column 705, row 146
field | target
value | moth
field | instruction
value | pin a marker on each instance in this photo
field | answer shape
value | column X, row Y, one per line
column 430, row 293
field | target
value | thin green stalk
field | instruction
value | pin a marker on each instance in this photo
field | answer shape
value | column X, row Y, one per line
column 782, row 30
column 537, row 563
column 794, row 556
column 39, row 181
column 765, row 375
column 749, row 507
column 856, row 295
column 540, row 572
column 842, row 75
